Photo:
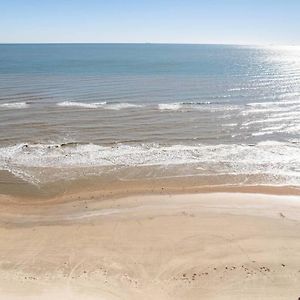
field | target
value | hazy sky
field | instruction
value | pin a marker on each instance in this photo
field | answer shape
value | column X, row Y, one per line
column 164, row 21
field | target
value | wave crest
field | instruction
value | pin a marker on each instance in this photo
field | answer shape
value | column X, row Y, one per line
column 81, row 104
column 95, row 105
column 15, row 105
column 270, row 157
column 182, row 105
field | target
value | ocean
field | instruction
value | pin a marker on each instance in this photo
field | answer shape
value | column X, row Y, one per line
column 223, row 115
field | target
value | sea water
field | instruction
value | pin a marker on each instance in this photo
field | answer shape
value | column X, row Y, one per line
column 72, row 110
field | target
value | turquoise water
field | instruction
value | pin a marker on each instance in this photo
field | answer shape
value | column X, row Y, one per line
column 207, row 110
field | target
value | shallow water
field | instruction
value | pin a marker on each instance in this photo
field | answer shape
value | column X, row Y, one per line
column 68, row 111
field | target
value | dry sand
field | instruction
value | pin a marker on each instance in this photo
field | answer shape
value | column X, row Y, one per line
column 194, row 246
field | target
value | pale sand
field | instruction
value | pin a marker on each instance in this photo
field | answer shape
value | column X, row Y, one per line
column 196, row 246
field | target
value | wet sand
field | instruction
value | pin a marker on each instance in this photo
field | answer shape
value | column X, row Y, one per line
column 167, row 246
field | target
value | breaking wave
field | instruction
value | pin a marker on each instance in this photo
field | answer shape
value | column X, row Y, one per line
column 95, row 105
column 272, row 158
column 182, row 105
column 14, row 105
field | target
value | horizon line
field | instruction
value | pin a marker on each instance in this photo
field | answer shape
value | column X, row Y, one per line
column 146, row 43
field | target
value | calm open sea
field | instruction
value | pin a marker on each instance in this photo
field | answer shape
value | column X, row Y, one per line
column 73, row 110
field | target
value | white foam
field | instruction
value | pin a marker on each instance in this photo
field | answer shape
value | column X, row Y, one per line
column 95, row 105
column 230, row 125
column 242, row 89
column 118, row 106
column 261, row 133
column 31, row 160
column 15, row 105
column 235, row 89
column 81, row 104
column 170, row 106
column 182, row 105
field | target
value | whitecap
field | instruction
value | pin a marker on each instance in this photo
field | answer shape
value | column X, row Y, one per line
column 95, row 105
column 261, row 133
column 170, row 106
column 15, row 105
column 235, row 89
column 229, row 125
column 118, row 106
column 81, row 104
column 182, row 105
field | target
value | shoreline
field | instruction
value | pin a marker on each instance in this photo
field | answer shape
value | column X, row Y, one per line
column 183, row 246
column 113, row 188
column 149, row 173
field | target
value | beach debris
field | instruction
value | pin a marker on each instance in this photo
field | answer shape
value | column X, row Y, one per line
column 281, row 215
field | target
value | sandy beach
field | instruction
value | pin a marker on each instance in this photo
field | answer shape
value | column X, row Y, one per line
column 149, row 150
column 188, row 246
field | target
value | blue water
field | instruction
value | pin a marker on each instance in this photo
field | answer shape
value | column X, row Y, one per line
column 238, row 106
column 130, row 59
column 143, row 73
